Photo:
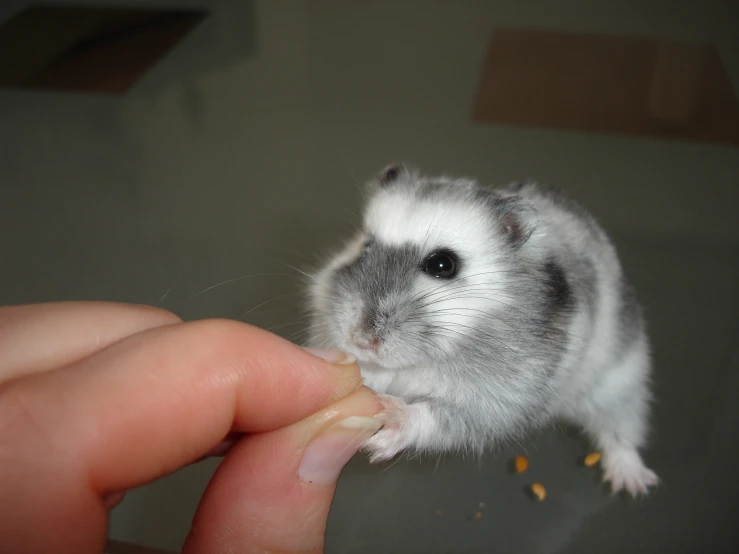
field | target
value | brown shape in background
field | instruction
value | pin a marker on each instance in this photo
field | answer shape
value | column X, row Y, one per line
column 98, row 50
column 607, row 84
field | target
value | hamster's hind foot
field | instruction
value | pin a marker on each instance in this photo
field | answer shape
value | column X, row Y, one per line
column 625, row 470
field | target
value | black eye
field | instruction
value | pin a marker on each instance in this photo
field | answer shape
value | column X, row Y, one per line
column 367, row 245
column 443, row 264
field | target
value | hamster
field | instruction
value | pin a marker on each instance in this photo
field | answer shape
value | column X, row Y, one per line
column 480, row 314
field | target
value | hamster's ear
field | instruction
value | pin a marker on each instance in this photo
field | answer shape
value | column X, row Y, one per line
column 392, row 174
column 518, row 219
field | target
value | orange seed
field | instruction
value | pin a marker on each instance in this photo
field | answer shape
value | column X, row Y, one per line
column 539, row 491
column 522, row 464
column 592, row 459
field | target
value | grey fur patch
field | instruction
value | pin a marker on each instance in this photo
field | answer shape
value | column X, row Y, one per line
column 558, row 291
column 382, row 269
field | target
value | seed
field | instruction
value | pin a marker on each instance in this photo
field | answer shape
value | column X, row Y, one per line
column 539, row 491
column 592, row 459
column 478, row 515
column 522, row 464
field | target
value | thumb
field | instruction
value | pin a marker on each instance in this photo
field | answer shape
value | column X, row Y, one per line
column 273, row 491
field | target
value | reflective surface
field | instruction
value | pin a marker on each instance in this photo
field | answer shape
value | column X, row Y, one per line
column 241, row 154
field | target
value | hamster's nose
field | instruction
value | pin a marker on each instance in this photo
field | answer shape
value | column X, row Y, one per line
column 365, row 340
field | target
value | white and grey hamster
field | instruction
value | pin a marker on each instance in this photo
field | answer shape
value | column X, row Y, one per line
column 483, row 313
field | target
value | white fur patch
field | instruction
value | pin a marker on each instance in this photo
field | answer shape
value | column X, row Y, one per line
column 396, row 219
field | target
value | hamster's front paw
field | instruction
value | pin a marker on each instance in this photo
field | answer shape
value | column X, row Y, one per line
column 391, row 439
column 625, row 470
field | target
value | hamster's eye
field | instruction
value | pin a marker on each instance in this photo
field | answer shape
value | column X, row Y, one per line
column 443, row 264
column 367, row 245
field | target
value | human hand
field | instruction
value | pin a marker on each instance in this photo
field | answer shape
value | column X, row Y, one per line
column 99, row 398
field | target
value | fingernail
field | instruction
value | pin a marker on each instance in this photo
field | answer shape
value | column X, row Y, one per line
column 332, row 356
column 327, row 455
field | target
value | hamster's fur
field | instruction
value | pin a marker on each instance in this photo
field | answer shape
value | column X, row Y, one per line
column 482, row 313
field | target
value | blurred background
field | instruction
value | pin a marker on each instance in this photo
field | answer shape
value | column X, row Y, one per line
column 242, row 151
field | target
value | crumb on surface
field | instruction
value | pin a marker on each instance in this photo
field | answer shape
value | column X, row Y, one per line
column 539, row 491
column 478, row 515
column 522, row 464
column 592, row 459
column 439, row 512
